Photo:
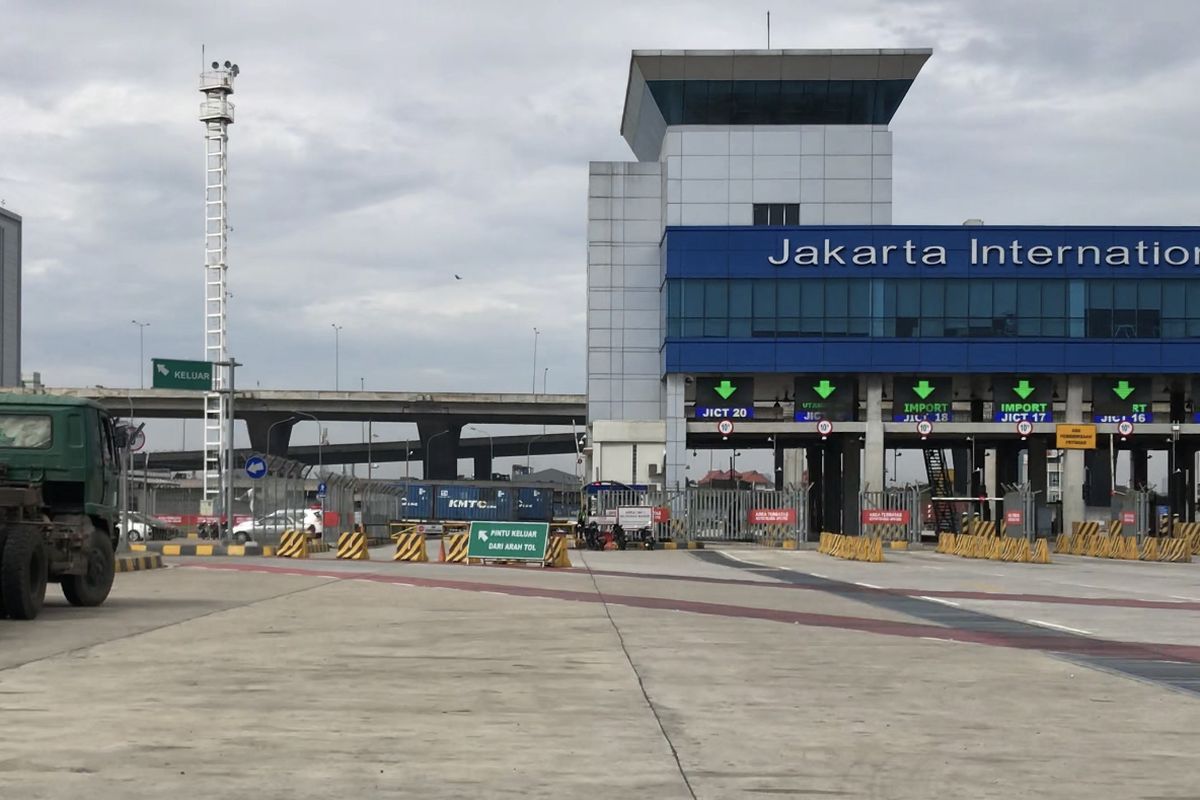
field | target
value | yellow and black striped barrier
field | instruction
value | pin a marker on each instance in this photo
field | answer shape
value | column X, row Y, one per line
column 851, row 548
column 1163, row 549
column 454, row 547
column 132, row 563
column 352, row 546
column 994, row 548
column 293, row 544
column 556, row 552
column 410, row 547
column 1189, row 531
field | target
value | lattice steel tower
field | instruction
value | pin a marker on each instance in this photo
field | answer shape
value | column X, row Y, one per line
column 216, row 112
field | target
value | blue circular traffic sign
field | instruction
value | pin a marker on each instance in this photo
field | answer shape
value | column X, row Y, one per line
column 256, row 467
column 322, row 489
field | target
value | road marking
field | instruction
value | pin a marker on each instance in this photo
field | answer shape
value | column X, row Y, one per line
column 819, row 575
column 868, row 585
column 937, row 639
column 743, row 560
column 1181, row 597
column 1044, row 624
column 941, row 600
column 932, row 566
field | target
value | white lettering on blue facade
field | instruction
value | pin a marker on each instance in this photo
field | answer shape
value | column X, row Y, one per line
column 1015, row 253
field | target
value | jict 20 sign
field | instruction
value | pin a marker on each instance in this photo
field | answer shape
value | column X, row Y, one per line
column 724, row 398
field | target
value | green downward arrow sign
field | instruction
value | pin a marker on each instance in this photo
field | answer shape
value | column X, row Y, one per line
column 725, row 389
column 1123, row 390
column 1023, row 389
column 923, row 389
column 824, row 388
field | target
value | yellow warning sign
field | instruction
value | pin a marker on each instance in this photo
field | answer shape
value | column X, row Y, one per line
column 1075, row 437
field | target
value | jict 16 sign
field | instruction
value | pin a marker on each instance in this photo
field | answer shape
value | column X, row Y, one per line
column 1121, row 399
column 832, row 397
column 922, row 398
column 1022, row 398
column 724, row 398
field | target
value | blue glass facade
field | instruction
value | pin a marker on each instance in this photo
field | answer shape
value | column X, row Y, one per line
column 951, row 299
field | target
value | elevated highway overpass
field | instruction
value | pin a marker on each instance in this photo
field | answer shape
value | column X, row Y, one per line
column 270, row 414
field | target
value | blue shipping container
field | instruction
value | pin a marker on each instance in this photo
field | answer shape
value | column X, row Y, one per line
column 416, row 502
column 533, row 504
column 473, row 503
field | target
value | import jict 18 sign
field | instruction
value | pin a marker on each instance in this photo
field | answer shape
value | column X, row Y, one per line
column 919, row 398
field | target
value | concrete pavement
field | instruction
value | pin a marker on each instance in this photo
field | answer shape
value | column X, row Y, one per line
column 653, row 675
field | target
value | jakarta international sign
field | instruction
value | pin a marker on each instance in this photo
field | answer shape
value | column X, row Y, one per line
column 828, row 253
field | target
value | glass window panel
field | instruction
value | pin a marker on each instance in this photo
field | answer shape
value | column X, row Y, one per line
column 742, row 97
column 1029, row 298
column 718, row 327
column 791, row 214
column 979, row 301
column 812, row 303
column 908, row 302
column 740, row 299
column 837, row 301
column 933, row 326
column 1149, row 295
column 716, row 298
column 1054, row 326
column 766, row 101
column 739, row 328
column 775, row 214
column 693, row 298
column 760, row 213
column 1125, row 294
column 1029, row 326
column 720, row 100
column 1099, row 294
column 695, row 102
column 788, row 298
column 693, row 328
column 933, row 303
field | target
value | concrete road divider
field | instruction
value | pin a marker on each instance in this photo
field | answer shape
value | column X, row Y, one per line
column 454, row 548
column 293, row 544
column 556, row 552
column 353, row 546
column 851, row 548
column 1189, row 531
column 135, row 563
column 1162, row 549
column 995, row 548
column 410, row 547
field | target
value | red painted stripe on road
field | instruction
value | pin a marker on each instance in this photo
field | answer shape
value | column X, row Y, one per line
column 1045, row 642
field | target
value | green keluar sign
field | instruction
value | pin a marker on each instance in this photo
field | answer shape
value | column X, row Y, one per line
column 508, row 541
column 174, row 373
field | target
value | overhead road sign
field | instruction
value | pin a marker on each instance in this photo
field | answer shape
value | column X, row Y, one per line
column 917, row 398
column 1075, row 437
column 173, row 373
column 724, row 398
column 508, row 541
column 831, row 397
column 1121, row 398
column 1022, row 397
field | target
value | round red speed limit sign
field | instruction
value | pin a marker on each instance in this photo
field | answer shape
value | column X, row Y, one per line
column 725, row 427
column 824, row 427
column 1024, row 427
column 1125, row 427
column 924, row 427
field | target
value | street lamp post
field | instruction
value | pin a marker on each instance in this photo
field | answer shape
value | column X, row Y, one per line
column 141, row 351
column 337, row 367
column 491, row 451
column 536, row 333
column 545, row 378
column 529, row 447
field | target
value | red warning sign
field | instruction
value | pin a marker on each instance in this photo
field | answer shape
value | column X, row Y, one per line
column 772, row 516
column 1128, row 518
column 1014, row 516
column 885, row 516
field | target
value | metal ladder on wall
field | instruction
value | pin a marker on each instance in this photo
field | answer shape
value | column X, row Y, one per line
column 940, row 486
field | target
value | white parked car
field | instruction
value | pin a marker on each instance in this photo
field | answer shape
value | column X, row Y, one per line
column 275, row 523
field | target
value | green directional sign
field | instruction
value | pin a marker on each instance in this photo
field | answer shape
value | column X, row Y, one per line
column 508, row 541
column 1022, row 398
column 724, row 398
column 831, row 397
column 173, row 373
column 1120, row 398
column 922, row 397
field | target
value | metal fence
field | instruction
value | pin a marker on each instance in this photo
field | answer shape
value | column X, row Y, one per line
column 704, row 514
column 276, row 502
column 892, row 514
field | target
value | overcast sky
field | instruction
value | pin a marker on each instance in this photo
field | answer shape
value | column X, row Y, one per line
column 380, row 148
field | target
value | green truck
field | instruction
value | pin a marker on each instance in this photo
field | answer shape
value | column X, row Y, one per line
column 59, row 481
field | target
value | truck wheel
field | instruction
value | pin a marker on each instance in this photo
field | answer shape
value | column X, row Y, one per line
column 23, row 573
column 92, row 587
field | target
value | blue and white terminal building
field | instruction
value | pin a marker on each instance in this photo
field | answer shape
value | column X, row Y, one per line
column 745, row 266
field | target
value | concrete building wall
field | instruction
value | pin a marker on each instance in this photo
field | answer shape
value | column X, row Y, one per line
column 10, row 299
column 839, row 174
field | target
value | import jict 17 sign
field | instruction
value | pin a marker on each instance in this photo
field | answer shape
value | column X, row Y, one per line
column 1022, row 398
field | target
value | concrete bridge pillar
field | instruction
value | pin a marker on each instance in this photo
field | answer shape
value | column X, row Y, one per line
column 270, row 432
column 440, row 443
column 483, row 467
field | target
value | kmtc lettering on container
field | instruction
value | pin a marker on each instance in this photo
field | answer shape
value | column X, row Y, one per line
column 1142, row 254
